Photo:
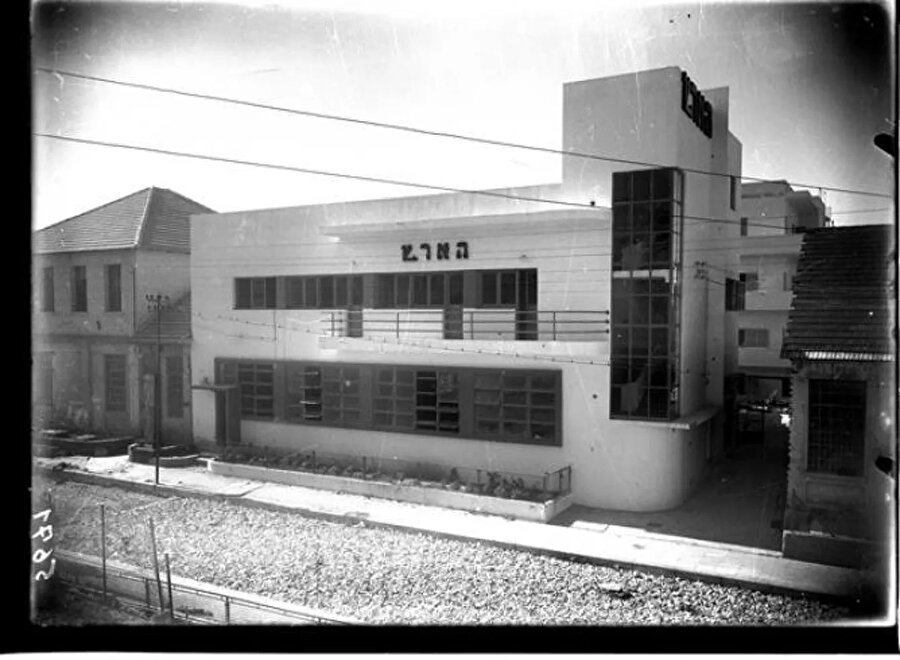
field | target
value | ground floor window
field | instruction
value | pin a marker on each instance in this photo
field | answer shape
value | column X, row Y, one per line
column 837, row 419
column 511, row 405
column 174, row 386
column 114, row 367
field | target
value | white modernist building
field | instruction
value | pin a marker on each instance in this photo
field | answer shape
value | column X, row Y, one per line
column 483, row 332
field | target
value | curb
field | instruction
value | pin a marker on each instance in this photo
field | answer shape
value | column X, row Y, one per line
column 352, row 518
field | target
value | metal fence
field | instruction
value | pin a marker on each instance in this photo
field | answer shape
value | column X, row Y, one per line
column 470, row 324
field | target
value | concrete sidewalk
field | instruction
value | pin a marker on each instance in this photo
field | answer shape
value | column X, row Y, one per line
column 590, row 540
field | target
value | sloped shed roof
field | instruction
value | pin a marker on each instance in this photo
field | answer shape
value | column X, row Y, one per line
column 153, row 218
column 843, row 296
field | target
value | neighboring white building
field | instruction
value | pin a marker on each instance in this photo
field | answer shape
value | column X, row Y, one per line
column 482, row 332
column 774, row 218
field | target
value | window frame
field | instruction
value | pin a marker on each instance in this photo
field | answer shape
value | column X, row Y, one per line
column 743, row 335
column 48, row 290
column 113, row 287
column 174, row 386
column 262, row 293
column 115, row 394
column 79, row 289
column 823, row 420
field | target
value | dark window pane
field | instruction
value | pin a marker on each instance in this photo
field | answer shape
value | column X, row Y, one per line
column 662, row 184
column 659, row 310
column 489, row 288
column 356, row 290
column 340, row 291
column 420, row 290
column 242, row 293
column 311, row 292
column 455, row 286
column 641, row 218
column 508, row 288
column 437, row 289
column 641, row 185
column 621, row 186
column 621, row 218
column 404, row 296
column 293, row 292
column 326, row 292
column 114, row 288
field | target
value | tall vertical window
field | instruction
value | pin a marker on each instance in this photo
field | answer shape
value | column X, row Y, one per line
column 733, row 192
column 735, row 298
column 743, row 226
column 174, row 386
column 113, row 288
column 304, row 393
column 47, row 291
column 114, row 368
column 646, row 305
column 43, row 379
column 787, row 282
column 79, row 289
column 837, row 427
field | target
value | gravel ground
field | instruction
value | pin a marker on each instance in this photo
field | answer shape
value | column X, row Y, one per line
column 390, row 576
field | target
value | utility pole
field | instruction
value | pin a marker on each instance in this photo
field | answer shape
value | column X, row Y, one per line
column 157, row 302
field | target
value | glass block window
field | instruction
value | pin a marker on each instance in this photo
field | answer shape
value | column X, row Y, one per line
column 394, row 398
column 837, row 424
column 517, row 406
column 341, row 402
column 645, row 310
column 257, row 387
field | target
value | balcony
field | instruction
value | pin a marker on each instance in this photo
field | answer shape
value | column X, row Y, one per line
column 456, row 323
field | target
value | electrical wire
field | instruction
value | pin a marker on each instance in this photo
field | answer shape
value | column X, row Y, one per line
column 435, row 133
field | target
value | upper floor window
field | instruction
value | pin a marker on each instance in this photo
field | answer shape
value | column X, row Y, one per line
column 787, row 282
column 79, row 289
column 323, row 291
column 734, row 295
column 254, row 293
column 733, row 192
column 744, row 226
column 753, row 338
column 47, row 291
column 113, row 288
column 750, row 281
column 418, row 290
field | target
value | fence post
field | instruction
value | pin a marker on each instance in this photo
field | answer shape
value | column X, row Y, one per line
column 103, row 546
column 397, row 323
column 227, row 610
column 156, row 565
column 169, row 580
column 554, row 324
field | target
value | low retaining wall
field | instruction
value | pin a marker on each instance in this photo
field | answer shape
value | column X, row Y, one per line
column 521, row 509
column 140, row 454
column 49, row 445
column 191, row 598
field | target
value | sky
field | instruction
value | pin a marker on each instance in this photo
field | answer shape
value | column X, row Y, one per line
column 811, row 85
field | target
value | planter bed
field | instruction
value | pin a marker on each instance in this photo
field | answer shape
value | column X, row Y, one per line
column 82, row 445
column 406, row 491
column 170, row 456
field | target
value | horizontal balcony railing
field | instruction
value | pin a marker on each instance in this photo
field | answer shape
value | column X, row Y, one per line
column 469, row 324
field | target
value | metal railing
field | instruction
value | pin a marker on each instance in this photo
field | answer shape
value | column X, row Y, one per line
column 469, row 324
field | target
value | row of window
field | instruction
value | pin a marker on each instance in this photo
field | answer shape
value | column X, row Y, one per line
column 481, row 288
column 79, row 288
column 115, row 379
column 514, row 405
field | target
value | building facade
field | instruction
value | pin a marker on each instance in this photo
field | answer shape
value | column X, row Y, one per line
column 841, row 342
column 528, row 330
column 94, row 336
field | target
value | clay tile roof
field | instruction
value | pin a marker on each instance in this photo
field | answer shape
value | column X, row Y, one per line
column 843, row 293
column 154, row 218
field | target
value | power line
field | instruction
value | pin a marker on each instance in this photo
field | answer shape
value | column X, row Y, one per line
column 433, row 133
column 371, row 179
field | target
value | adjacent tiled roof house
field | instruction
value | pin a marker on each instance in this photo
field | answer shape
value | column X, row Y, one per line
column 841, row 339
column 95, row 333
